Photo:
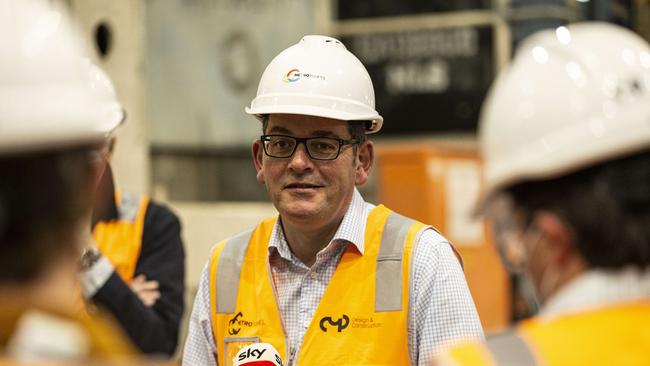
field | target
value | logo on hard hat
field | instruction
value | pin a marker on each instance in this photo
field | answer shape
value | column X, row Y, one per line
column 294, row 75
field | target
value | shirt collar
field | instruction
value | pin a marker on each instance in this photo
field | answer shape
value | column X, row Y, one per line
column 351, row 229
column 596, row 288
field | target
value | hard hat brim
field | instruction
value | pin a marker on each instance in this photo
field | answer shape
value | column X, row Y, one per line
column 375, row 118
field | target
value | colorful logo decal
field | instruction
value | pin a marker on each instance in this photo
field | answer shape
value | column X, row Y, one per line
column 294, row 75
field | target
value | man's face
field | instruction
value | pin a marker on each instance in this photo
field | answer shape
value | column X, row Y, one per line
column 307, row 191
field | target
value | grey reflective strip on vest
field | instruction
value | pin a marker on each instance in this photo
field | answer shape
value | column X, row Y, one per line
column 388, row 288
column 127, row 210
column 228, row 271
column 509, row 349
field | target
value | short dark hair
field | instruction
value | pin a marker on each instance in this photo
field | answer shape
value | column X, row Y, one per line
column 607, row 206
column 357, row 130
column 42, row 198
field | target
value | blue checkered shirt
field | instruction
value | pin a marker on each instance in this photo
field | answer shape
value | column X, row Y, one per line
column 441, row 309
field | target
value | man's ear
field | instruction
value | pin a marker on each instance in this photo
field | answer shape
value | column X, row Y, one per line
column 258, row 154
column 365, row 160
column 560, row 238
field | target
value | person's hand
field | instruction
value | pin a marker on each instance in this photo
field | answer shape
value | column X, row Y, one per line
column 147, row 291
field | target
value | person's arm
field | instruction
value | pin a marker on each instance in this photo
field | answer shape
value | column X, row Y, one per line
column 154, row 329
column 200, row 349
column 442, row 309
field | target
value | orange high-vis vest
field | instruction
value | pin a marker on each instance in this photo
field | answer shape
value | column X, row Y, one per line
column 362, row 316
column 614, row 335
column 121, row 240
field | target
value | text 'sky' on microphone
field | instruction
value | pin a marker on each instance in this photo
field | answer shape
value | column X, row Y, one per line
column 257, row 354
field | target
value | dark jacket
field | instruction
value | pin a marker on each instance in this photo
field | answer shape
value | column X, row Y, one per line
column 162, row 258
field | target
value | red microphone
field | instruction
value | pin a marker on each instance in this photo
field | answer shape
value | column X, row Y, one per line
column 257, row 354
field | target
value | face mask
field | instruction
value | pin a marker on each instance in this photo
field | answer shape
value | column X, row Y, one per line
column 511, row 232
column 528, row 292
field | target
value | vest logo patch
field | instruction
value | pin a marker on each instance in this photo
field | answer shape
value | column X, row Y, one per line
column 237, row 321
column 233, row 324
column 340, row 323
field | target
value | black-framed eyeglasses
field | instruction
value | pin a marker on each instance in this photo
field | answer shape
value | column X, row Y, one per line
column 318, row 148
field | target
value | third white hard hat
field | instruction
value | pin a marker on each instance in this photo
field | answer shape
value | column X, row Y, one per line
column 51, row 95
column 572, row 97
column 317, row 76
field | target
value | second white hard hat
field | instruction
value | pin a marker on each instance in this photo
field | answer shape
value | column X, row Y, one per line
column 572, row 97
column 51, row 96
column 317, row 76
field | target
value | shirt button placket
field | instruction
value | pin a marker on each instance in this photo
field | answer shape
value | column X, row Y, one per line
column 304, row 305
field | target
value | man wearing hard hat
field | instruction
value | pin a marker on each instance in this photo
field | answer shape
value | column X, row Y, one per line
column 54, row 112
column 135, row 266
column 565, row 133
column 332, row 280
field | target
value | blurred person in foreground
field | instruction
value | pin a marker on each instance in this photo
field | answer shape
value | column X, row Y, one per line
column 135, row 267
column 54, row 113
column 333, row 279
column 565, row 133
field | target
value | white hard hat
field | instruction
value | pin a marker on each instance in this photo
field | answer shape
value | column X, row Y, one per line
column 51, row 96
column 318, row 76
column 572, row 97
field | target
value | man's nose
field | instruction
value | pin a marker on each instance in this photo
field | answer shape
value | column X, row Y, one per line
column 300, row 159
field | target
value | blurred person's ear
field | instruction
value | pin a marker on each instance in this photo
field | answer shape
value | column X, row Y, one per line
column 559, row 240
column 555, row 260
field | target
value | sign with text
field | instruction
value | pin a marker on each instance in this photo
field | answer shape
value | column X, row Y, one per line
column 428, row 80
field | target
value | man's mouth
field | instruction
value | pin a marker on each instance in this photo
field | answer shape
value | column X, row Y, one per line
column 302, row 186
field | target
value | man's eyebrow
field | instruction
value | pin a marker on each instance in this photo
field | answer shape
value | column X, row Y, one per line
column 317, row 133
column 278, row 129
column 323, row 133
